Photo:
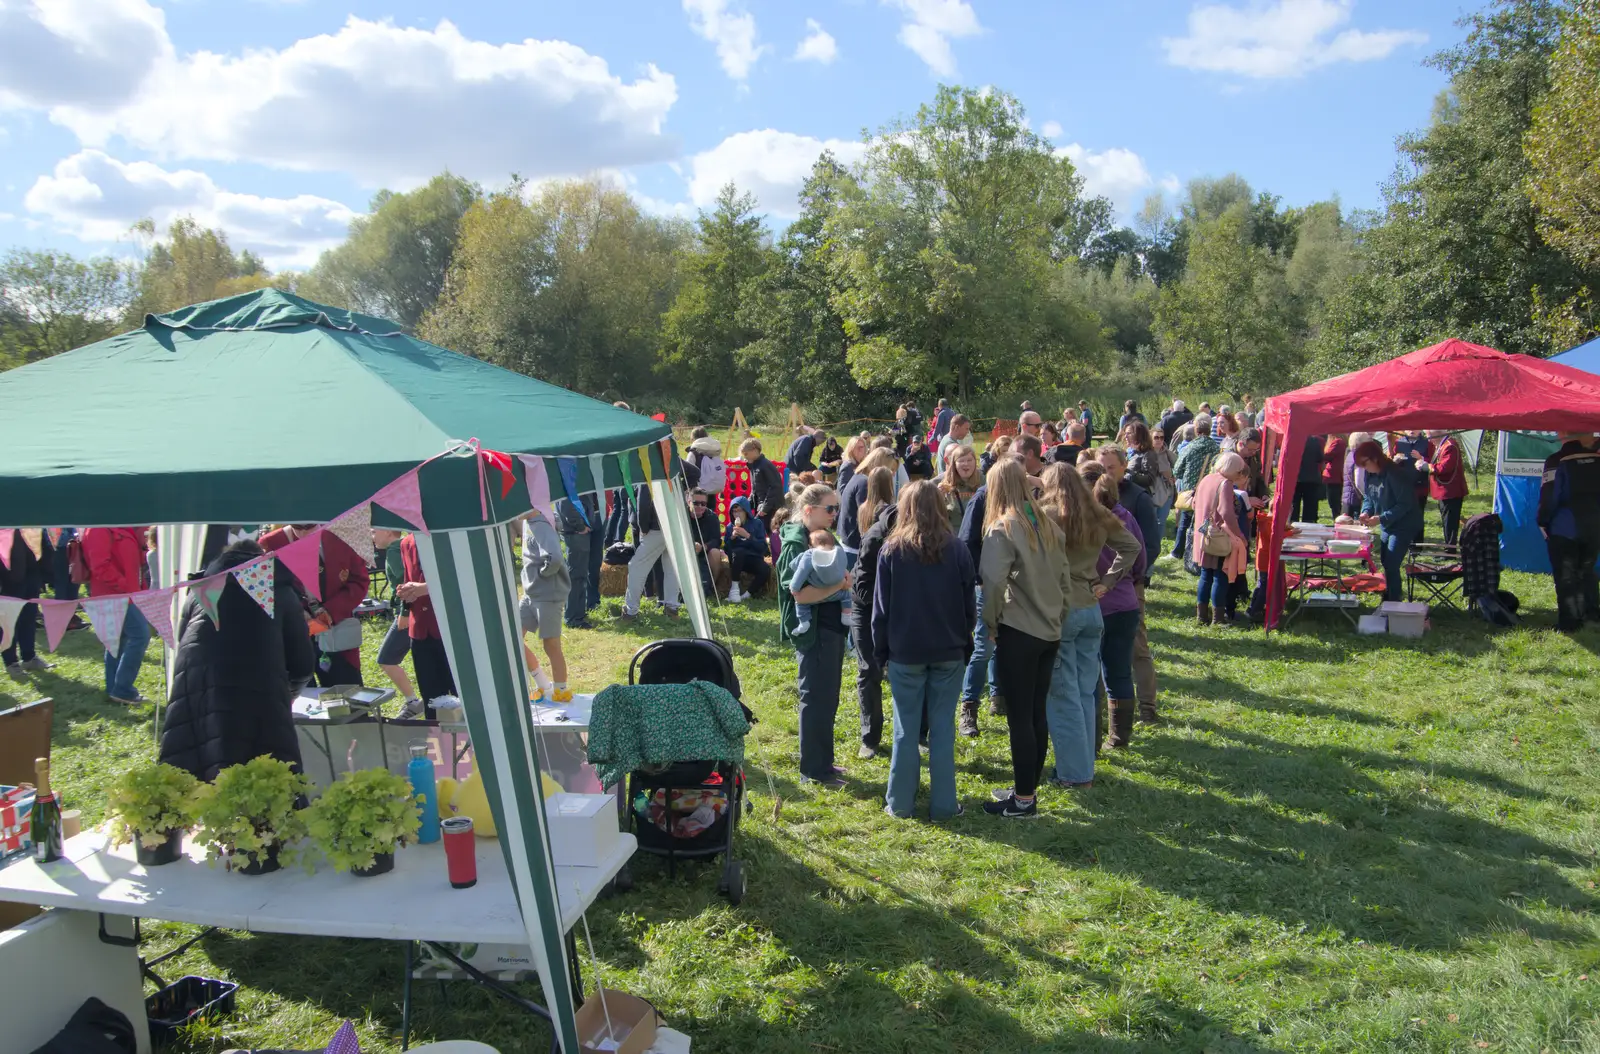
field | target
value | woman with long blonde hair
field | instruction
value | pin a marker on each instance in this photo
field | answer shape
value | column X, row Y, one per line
column 960, row 482
column 1026, row 581
column 1088, row 531
column 851, row 524
column 854, row 451
column 819, row 651
column 923, row 607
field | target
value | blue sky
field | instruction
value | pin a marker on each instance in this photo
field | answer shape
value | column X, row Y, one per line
column 277, row 120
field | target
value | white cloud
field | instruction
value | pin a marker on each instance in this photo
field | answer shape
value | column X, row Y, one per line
column 732, row 31
column 1283, row 39
column 1050, row 129
column 1117, row 173
column 388, row 105
column 770, row 164
column 87, row 53
column 930, row 26
column 818, row 46
column 97, row 198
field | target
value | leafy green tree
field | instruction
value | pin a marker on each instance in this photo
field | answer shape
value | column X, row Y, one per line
column 569, row 287
column 946, row 250
column 1224, row 327
column 1561, row 150
column 704, row 328
column 1123, row 299
column 1459, row 252
column 52, row 302
column 193, row 264
column 1321, row 264
column 394, row 261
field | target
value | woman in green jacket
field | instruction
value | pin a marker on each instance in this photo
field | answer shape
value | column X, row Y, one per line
column 820, row 650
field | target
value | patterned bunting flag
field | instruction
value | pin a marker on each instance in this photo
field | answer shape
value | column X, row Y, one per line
column 107, row 614
column 8, row 535
column 54, row 534
column 257, row 578
column 10, row 608
column 156, row 607
column 303, row 558
column 33, row 538
column 568, row 467
column 538, row 481
column 57, row 613
column 354, row 528
column 344, row 1041
column 644, row 463
column 207, row 592
column 403, row 497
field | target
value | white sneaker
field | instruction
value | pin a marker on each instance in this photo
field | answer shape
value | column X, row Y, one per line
column 734, row 596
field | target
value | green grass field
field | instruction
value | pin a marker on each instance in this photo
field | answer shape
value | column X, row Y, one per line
column 1335, row 843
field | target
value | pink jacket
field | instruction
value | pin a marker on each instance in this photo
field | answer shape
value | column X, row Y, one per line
column 1213, row 503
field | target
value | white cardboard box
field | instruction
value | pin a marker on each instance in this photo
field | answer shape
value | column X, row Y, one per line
column 1405, row 619
column 583, row 827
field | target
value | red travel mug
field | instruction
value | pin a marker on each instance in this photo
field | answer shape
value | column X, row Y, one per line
column 460, row 851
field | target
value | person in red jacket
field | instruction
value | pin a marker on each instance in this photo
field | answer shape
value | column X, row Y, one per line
column 344, row 585
column 1333, row 473
column 1447, row 482
column 116, row 565
column 428, row 655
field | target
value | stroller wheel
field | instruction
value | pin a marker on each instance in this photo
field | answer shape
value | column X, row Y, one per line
column 732, row 885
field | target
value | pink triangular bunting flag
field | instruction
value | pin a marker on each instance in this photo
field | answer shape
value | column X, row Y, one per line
column 256, row 578
column 10, row 608
column 107, row 614
column 33, row 538
column 206, row 592
column 156, row 606
column 57, row 613
column 538, row 481
column 303, row 558
column 8, row 535
column 403, row 497
column 354, row 528
column 54, row 534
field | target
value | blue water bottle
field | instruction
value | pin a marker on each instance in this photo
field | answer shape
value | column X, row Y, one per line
column 420, row 772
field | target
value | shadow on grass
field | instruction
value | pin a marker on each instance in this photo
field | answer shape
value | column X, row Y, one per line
column 1220, row 689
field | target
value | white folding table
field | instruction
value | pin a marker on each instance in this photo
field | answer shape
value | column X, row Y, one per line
column 414, row 902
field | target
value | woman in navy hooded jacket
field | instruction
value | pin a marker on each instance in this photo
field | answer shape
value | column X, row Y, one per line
column 1390, row 502
column 746, row 543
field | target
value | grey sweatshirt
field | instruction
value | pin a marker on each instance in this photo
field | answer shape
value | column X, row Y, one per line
column 544, row 569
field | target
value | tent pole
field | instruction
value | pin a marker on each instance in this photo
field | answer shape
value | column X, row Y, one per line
column 674, row 514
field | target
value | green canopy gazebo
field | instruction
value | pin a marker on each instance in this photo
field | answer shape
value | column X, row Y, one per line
column 265, row 407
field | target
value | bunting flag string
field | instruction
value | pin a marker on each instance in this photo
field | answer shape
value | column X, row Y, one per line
column 538, row 481
column 156, row 607
column 57, row 614
column 8, row 536
column 257, row 578
column 106, row 615
column 207, row 592
column 10, row 608
column 354, row 528
column 403, row 497
column 303, row 558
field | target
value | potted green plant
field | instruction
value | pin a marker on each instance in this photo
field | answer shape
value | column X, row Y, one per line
column 360, row 819
column 249, row 816
column 152, row 807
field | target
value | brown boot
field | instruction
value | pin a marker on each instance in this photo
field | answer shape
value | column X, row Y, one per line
column 968, row 725
column 1202, row 614
column 1120, row 733
column 997, row 706
column 1148, row 715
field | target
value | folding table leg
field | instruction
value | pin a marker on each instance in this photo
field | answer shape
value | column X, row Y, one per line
column 405, row 999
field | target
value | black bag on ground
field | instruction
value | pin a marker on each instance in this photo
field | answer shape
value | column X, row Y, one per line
column 94, row 1029
column 619, row 554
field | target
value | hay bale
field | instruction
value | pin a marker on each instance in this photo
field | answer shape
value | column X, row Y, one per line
column 613, row 580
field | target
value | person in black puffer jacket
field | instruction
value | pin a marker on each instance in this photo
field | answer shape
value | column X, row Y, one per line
column 234, row 680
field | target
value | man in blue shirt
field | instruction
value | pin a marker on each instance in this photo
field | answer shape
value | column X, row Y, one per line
column 1569, row 516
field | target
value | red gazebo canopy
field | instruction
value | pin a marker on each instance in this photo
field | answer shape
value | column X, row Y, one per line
column 1452, row 385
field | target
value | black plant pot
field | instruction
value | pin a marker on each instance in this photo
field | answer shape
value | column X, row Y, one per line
column 262, row 864
column 380, row 866
column 165, row 853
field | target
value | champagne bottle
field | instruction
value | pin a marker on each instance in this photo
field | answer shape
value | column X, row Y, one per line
column 46, row 823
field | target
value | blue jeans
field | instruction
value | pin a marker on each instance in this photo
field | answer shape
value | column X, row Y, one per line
column 1213, row 588
column 1162, row 512
column 930, row 689
column 1070, row 706
column 981, row 665
column 123, row 667
column 1180, row 541
column 617, row 522
column 584, row 554
column 1116, row 653
column 1396, row 543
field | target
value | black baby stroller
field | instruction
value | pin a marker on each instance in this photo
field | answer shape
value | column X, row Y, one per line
column 649, row 805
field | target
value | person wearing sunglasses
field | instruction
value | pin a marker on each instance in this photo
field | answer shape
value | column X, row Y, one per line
column 705, row 531
column 819, row 648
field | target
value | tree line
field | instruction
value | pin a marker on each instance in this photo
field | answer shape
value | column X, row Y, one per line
column 960, row 256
